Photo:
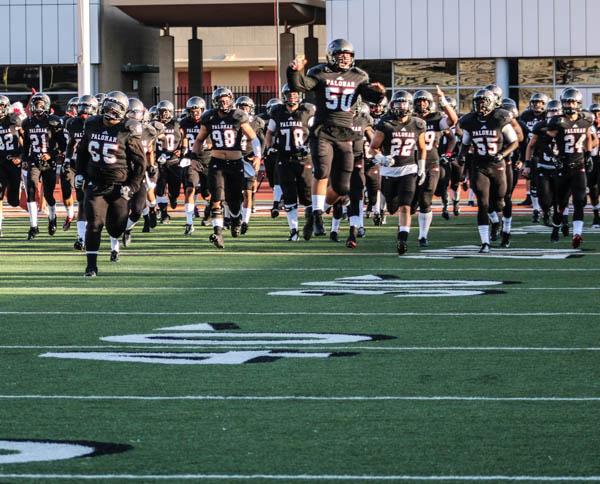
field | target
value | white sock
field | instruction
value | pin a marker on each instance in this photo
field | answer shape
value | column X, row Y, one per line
column 130, row 224
column 152, row 203
column 81, row 224
column 494, row 217
column 471, row 195
column 217, row 222
column 355, row 221
column 535, row 203
column 377, row 205
column 577, row 227
column 456, row 197
column 292, row 218
column 33, row 213
column 114, row 244
column 335, row 224
column 361, row 213
column 566, row 211
column 424, row 224
column 318, row 202
column 277, row 193
column 403, row 228
column 70, row 211
column 162, row 199
column 506, row 224
column 246, row 213
column 189, row 213
column 146, row 211
column 51, row 212
column 226, row 212
column 484, row 233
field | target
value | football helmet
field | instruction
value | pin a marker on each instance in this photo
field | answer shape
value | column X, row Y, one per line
column 497, row 91
column 165, row 111
column 153, row 113
column 87, row 105
column 484, row 102
column 340, row 46
column 538, row 102
column 510, row 105
column 244, row 101
column 39, row 104
column 401, row 103
column 553, row 108
column 290, row 98
column 571, row 100
column 100, row 97
column 4, row 106
column 423, row 101
column 194, row 107
column 271, row 103
column 594, row 108
column 115, row 105
column 222, row 99
column 379, row 109
column 136, row 109
column 451, row 101
column 72, row 105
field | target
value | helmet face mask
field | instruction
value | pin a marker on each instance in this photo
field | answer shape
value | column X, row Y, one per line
column 39, row 104
column 87, row 106
column 114, row 107
column 222, row 99
column 340, row 55
column 484, row 102
column 496, row 92
column 423, row 101
column 245, row 104
column 195, row 106
column 401, row 104
column 538, row 102
column 290, row 98
column 4, row 106
column 271, row 103
column 378, row 109
column 553, row 108
column 165, row 111
column 136, row 109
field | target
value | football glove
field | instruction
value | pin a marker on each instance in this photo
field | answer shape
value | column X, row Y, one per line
column 421, row 173
column 589, row 164
column 126, row 192
column 185, row 162
column 162, row 159
column 79, row 181
column 383, row 160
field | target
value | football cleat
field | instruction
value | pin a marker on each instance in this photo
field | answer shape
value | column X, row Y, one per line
column 275, row 210
column 165, row 218
column 554, row 236
column 293, row 236
column 79, row 244
column 206, row 217
column 505, row 240
column 227, row 223
column 189, row 229
column 577, row 241
column 526, row 202
column 596, row 221
column 333, row 236
column 456, row 208
column 445, row 214
column 52, row 226
column 307, row 230
column 484, row 249
column 535, row 217
column 471, row 203
column 383, row 218
column 351, row 240
column 152, row 217
column 217, row 240
column 318, row 221
column 67, row 223
column 33, row 233
column 244, row 228
column 114, row 256
column 494, row 231
column 90, row 272
column 126, row 239
column 196, row 212
column 376, row 219
column 401, row 247
column 236, row 228
column 423, row 242
column 362, row 232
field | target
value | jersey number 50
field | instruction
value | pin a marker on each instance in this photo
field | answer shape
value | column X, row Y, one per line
column 339, row 99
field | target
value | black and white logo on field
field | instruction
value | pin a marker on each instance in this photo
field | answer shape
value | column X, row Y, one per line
column 256, row 347
column 19, row 451
column 544, row 230
column 378, row 285
column 473, row 251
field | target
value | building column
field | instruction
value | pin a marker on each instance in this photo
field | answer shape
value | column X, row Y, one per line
column 502, row 75
column 195, row 65
column 287, row 50
column 166, row 65
column 311, row 48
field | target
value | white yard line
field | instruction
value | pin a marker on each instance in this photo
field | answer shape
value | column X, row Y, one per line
column 292, row 313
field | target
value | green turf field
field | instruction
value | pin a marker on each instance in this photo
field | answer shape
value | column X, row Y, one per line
column 188, row 361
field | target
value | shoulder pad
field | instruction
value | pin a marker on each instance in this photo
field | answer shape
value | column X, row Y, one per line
column 358, row 70
column 318, row 69
column 587, row 116
column 503, row 116
column 466, row 120
column 309, row 107
column 277, row 109
column 54, row 121
column 15, row 120
column 241, row 116
column 259, row 121
column 420, row 123
column 158, row 126
column 206, row 115
column 150, row 129
column 556, row 122
column 382, row 124
column 134, row 127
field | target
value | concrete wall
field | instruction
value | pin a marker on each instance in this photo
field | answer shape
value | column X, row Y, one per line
column 421, row 29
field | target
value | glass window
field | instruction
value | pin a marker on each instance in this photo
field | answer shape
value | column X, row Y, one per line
column 536, row 71
column 596, row 97
column 525, row 93
column 59, row 78
column 478, row 72
column 424, row 73
column 578, row 71
column 465, row 101
column 58, row 102
column 19, row 78
column 379, row 71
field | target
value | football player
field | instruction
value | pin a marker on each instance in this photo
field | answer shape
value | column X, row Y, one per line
column 195, row 174
column 397, row 136
column 450, row 170
column 43, row 147
column 286, row 139
column 87, row 106
column 11, row 151
column 337, row 86
column 490, row 132
column 372, row 174
column 270, row 161
column 168, row 152
column 436, row 124
column 251, row 164
column 110, row 164
column 574, row 139
column 225, row 125
column 594, row 176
